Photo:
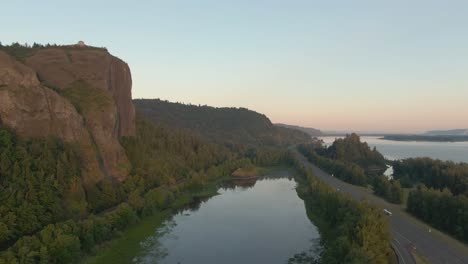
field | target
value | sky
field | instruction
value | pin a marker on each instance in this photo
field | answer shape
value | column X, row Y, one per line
column 393, row 66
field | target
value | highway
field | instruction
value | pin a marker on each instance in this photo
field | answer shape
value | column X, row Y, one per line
column 409, row 234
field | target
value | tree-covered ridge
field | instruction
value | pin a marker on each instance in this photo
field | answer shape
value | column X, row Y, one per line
column 225, row 125
column 23, row 51
column 351, row 149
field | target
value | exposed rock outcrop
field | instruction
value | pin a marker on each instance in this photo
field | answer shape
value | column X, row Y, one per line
column 81, row 95
column 61, row 67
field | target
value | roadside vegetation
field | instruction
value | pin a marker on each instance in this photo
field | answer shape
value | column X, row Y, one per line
column 351, row 231
column 356, row 163
column 441, row 194
column 437, row 190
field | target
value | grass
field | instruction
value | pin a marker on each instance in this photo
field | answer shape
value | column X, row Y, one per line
column 127, row 246
column 87, row 98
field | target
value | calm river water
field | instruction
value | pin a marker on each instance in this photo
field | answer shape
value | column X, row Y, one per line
column 454, row 151
column 263, row 221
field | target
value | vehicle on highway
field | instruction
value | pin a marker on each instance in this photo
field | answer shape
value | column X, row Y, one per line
column 387, row 212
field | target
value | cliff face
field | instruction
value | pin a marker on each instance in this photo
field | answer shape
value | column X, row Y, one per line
column 82, row 96
column 61, row 67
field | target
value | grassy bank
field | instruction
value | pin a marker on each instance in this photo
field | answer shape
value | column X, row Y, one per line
column 126, row 246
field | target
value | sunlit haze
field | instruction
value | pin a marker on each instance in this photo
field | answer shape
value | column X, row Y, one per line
column 398, row 66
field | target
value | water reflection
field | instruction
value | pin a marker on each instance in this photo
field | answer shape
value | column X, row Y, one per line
column 253, row 221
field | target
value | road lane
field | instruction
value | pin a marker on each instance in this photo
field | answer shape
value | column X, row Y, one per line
column 408, row 233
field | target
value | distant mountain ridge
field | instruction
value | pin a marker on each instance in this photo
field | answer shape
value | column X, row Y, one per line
column 219, row 124
column 309, row 130
column 451, row 132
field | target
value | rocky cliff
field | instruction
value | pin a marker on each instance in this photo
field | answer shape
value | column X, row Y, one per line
column 80, row 95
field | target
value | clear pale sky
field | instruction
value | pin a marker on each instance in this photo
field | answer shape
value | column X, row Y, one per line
column 334, row 65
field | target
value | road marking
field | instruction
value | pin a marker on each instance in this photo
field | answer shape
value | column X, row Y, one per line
column 402, row 236
column 401, row 255
column 397, row 241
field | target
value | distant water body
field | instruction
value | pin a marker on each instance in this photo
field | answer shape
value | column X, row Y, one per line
column 453, row 151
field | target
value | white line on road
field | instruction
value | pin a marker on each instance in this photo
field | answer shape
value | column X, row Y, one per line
column 399, row 254
column 402, row 236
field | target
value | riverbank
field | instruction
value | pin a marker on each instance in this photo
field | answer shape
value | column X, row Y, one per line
column 127, row 245
column 124, row 247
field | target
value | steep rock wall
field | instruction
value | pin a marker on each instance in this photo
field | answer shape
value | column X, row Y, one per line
column 81, row 95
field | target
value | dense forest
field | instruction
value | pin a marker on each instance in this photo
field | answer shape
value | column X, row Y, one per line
column 447, row 192
column 436, row 174
column 391, row 190
column 441, row 209
column 35, row 179
column 230, row 126
column 352, row 232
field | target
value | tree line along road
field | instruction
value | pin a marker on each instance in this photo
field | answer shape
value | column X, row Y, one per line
column 409, row 235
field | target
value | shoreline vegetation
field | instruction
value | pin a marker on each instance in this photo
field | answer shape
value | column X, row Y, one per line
column 126, row 245
column 337, row 246
column 246, row 172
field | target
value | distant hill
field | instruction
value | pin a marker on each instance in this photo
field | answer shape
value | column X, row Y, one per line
column 452, row 132
column 223, row 125
column 446, row 138
column 311, row 131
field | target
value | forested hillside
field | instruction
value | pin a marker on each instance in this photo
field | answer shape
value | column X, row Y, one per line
column 40, row 217
column 223, row 125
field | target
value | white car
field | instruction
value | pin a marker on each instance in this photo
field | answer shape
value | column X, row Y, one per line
column 387, row 212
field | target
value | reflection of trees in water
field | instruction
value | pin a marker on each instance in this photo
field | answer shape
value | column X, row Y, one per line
column 152, row 248
column 243, row 183
column 310, row 256
column 194, row 205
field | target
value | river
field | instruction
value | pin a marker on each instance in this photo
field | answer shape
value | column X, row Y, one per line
column 454, row 151
column 262, row 221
